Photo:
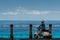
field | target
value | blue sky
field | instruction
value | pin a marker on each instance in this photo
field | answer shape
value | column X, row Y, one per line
column 29, row 9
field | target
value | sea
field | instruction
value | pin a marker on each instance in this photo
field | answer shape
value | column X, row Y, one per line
column 21, row 28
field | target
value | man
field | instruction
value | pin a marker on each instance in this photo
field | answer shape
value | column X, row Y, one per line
column 43, row 26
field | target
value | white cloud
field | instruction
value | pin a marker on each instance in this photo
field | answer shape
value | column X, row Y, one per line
column 24, row 11
column 55, row 11
column 10, row 13
column 20, row 11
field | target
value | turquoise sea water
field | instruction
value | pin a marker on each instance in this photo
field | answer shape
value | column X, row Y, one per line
column 21, row 28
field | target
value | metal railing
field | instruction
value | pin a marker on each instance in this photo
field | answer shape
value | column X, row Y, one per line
column 23, row 31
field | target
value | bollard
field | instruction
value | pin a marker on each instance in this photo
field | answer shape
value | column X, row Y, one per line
column 50, row 30
column 30, row 31
column 11, row 31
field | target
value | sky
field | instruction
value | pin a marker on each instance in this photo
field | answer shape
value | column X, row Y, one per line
column 29, row 9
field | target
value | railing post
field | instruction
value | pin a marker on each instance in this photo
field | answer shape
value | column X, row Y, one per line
column 50, row 30
column 11, row 31
column 30, row 31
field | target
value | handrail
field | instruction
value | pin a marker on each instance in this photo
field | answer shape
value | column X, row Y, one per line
column 25, row 28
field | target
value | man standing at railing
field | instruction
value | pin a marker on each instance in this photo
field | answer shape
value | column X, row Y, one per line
column 42, row 26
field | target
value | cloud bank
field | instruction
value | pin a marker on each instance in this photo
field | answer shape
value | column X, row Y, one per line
column 23, row 11
column 26, row 14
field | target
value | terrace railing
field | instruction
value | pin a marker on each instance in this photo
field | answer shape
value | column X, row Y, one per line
column 25, row 31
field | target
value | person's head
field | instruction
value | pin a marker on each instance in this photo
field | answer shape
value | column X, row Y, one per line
column 42, row 21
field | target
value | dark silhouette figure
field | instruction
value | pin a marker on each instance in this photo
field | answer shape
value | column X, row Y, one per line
column 42, row 26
